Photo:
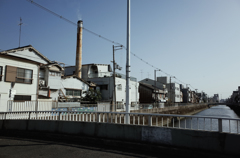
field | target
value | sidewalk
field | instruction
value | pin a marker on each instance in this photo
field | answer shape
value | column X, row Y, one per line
column 38, row 144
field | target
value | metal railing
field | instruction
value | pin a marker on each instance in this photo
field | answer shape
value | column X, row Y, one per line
column 203, row 123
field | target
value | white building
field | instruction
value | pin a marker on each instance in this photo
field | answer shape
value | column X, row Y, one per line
column 101, row 75
column 18, row 78
column 35, row 77
column 174, row 92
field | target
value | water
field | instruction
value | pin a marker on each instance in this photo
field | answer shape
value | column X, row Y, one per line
column 212, row 124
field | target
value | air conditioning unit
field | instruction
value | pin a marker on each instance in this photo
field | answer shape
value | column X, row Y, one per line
column 41, row 83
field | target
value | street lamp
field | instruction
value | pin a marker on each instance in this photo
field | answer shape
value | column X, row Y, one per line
column 115, row 48
column 155, row 84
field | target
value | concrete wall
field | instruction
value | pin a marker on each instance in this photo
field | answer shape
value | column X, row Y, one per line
column 212, row 141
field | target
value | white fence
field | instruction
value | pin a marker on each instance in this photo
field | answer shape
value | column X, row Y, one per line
column 30, row 106
column 204, row 123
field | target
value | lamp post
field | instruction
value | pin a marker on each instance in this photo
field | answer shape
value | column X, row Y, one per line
column 114, row 75
column 155, row 82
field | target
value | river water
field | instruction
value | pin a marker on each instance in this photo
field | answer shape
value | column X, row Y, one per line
column 212, row 124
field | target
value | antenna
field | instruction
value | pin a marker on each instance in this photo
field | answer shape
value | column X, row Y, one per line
column 20, row 30
column 148, row 75
column 141, row 74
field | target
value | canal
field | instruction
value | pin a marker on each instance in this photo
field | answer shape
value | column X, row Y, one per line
column 210, row 123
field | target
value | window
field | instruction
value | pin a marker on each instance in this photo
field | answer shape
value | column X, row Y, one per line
column 119, row 105
column 22, row 98
column 24, row 75
column 73, row 92
column 103, row 87
column 19, row 75
column 119, row 87
column 52, row 73
column 42, row 74
column 1, row 70
column 133, row 104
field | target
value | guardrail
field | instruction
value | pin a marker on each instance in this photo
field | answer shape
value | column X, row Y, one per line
column 205, row 123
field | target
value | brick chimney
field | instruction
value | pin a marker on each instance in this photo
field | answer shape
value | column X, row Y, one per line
column 78, row 65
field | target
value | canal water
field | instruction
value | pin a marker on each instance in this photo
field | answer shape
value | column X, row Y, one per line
column 223, row 111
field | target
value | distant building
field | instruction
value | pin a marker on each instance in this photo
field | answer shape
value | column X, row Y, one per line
column 186, row 94
column 216, row 98
column 151, row 94
column 174, row 92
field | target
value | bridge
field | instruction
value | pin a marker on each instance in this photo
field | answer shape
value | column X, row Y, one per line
column 222, row 104
column 196, row 132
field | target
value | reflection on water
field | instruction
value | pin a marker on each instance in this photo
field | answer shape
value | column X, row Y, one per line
column 212, row 124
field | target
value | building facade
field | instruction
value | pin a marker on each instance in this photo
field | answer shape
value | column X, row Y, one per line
column 102, row 76
column 18, row 79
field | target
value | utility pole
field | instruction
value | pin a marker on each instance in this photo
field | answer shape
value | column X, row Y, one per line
column 170, row 91
column 127, row 118
column 114, row 84
column 114, row 77
column 155, row 82
column 20, row 30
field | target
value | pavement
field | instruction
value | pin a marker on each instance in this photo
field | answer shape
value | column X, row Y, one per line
column 39, row 144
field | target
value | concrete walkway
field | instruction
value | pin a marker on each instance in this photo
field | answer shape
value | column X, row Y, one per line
column 38, row 144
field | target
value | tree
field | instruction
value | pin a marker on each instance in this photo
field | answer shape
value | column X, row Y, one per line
column 92, row 95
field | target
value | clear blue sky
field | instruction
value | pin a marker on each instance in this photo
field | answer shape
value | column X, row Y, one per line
column 195, row 40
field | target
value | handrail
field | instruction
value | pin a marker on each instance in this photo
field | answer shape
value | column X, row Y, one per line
column 209, row 123
column 145, row 114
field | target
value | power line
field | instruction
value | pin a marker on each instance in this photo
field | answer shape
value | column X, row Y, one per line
column 71, row 22
column 98, row 35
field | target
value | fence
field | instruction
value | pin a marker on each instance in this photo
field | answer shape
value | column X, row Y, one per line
column 30, row 106
column 221, row 124
column 77, row 106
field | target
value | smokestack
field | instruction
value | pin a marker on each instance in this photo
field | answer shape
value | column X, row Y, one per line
column 79, row 50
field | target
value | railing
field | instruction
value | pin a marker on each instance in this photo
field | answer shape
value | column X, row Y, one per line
column 30, row 105
column 203, row 123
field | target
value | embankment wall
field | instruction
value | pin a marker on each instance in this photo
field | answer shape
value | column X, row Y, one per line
column 205, row 140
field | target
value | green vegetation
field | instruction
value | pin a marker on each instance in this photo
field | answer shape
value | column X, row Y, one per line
column 92, row 95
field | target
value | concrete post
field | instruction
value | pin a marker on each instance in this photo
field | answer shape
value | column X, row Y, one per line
column 98, row 117
column 149, row 120
column 220, row 125
column 29, row 115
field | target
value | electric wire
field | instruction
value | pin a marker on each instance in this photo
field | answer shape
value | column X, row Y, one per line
column 100, row 36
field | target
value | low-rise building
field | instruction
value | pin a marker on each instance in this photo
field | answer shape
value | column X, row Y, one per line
column 35, row 77
column 186, row 94
column 151, row 94
column 102, row 76
column 174, row 92
column 18, row 77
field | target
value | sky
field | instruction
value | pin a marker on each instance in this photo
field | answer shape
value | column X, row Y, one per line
column 197, row 41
